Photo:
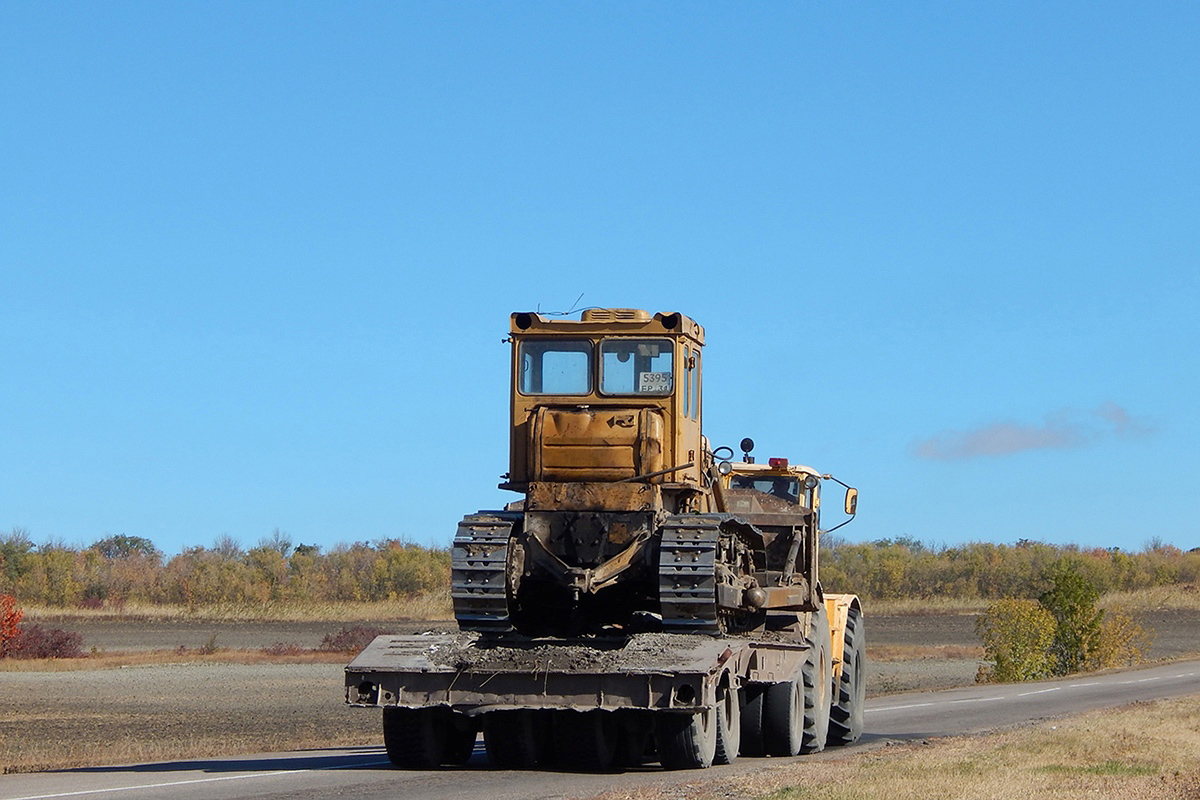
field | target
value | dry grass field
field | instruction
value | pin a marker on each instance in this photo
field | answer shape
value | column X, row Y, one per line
column 175, row 684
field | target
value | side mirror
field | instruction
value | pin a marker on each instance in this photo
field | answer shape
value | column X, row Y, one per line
column 851, row 501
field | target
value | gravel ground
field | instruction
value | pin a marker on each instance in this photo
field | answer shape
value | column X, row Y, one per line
column 168, row 711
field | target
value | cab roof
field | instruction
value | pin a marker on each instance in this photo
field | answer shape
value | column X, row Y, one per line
column 742, row 468
column 615, row 321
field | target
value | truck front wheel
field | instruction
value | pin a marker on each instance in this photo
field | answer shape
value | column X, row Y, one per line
column 849, row 696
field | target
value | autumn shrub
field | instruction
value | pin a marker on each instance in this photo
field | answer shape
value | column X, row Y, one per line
column 1017, row 635
column 35, row 641
column 1121, row 642
column 10, row 624
column 284, row 649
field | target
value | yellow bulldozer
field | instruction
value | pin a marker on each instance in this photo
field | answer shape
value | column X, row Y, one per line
column 629, row 520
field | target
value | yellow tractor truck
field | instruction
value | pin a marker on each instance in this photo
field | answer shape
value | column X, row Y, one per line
column 647, row 597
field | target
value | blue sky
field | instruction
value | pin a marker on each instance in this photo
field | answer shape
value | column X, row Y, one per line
column 257, row 259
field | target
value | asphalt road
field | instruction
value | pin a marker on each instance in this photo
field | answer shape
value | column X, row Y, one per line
column 364, row 772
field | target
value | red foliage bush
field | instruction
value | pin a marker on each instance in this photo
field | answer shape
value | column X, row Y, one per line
column 38, row 642
column 10, row 624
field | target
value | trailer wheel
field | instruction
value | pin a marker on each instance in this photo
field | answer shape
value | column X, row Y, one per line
column 686, row 741
column 818, row 686
column 543, row 734
column 795, row 713
column 783, row 717
column 849, row 696
column 633, row 739
column 729, row 726
column 511, row 739
column 752, row 720
column 460, row 739
column 585, row 741
column 415, row 738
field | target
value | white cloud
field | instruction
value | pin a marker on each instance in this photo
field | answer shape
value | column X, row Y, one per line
column 1061, row 430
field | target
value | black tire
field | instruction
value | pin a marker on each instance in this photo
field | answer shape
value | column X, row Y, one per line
column 511, row 739
column 415, row 738
column 850, row 693
column 818, row 686
column 460, row 742
column 543, row 731
column 783, row 718
column 585, row 741
column 795, row 713
column 729, row 726
column 686, row 741
column 633, row 739
column 752, row 721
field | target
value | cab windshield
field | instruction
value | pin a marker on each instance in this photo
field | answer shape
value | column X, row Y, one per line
column 637, row 366
column 556, row 366
column 784, row 488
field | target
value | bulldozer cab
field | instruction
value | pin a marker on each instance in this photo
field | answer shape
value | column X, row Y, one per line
column 612, row 397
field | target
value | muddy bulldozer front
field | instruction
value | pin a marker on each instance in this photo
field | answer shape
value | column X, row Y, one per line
column 624, row 525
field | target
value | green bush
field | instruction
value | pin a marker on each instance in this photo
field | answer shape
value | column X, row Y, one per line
column 1016, row 635
column 1071, row 599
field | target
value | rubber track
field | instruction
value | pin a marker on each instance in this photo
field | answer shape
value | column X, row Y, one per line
column 687, row 582
column 477, row 571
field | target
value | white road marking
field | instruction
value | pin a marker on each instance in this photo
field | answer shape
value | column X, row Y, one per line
column 1024, row 694
column 194, row 780
column 940, row 703
column 975, row 700
column 900, row 708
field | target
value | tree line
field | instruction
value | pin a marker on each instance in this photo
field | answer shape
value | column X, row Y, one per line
column 129, row 569
column 889, row 569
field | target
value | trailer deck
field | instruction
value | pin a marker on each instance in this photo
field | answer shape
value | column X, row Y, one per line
column 475, row 674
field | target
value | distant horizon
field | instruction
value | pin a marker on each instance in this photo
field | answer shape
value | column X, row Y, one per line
column 1148, row 545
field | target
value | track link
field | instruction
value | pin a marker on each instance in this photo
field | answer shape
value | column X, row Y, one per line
column 478, row 564
column 687, row 579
